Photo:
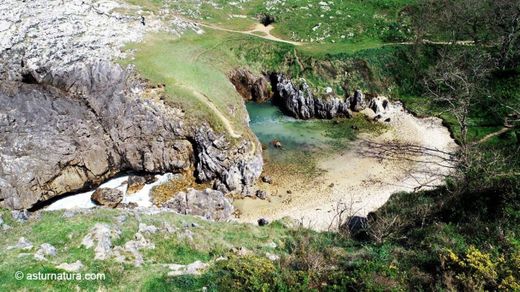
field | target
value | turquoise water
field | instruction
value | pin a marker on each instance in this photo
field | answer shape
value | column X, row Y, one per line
column 307, row 137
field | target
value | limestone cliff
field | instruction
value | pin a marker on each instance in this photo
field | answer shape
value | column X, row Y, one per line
column 70, row 118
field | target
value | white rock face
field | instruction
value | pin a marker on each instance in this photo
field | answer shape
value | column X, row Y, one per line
column 74, row 267
column 43, row 35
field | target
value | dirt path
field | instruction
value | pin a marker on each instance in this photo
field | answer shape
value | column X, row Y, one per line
column 265, row 32
column 494, row 134
column 413, row 155
column 207, row 101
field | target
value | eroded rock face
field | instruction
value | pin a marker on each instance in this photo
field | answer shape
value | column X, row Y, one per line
column 209, row 204
column 71, row 119
column 233, row 167
column 299, row 101
column 54, row 142
column 251, row 87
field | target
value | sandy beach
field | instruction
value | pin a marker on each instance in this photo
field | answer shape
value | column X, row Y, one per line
column 413, row 154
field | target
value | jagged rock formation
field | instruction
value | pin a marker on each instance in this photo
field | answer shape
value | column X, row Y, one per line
column 295, row 99
column 299, row 101
column 54, row 142
column 379, row 105
column 71, row 119
column 209, row 204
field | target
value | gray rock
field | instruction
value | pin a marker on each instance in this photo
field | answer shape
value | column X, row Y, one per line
column 44, row 251
column 121, row 219
column 169, row 228
column 107, row 197
column 69, row 213
column 134, row 246
column 299, row 101
column 73, row 268
column 129, row 205
column 70, row 118
column 357, row 101
column 234, row 169
column 20, row 216
column 85, row 139
column 195, row 268
column 272, row 257
column 262, row 195
column 210, row 204
column 267, row 179
column 22, row 243
column 379, row 105
column 1, row 220
column 143, row 228
column 241, row 251
column 100, row 238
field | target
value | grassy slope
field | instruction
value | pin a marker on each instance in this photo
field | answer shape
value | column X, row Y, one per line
column 308, row 20
column 210, row 240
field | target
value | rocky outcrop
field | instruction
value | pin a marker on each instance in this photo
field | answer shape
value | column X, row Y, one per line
column 54, row 142
column 83, row 126
column 251, row 87
column 357, row 102
column 71, row 119
column 232, row 167
column 297, row 100
column 379, row 105
column 209, row 204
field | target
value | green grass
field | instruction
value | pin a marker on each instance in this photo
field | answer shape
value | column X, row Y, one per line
column 307, row 20
column 210, row 240
column 188, row 64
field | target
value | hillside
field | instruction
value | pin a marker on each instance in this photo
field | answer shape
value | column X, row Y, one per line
column 252, row 145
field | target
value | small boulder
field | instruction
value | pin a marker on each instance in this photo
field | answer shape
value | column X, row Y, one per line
column 272, row 257
column 72, row 268
column 100, row 238
column 263, row 222
column 1, row 220
column 107, row 197
column 20, row 216
column 45, row 250
column 129, row 205
column 195, row 268
column 277, row 144
column 267, row 179
column 241, row 251
column 262, row 195
column 135, row 184
column 143, row 228
column 22, row 243
column 357, row 102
